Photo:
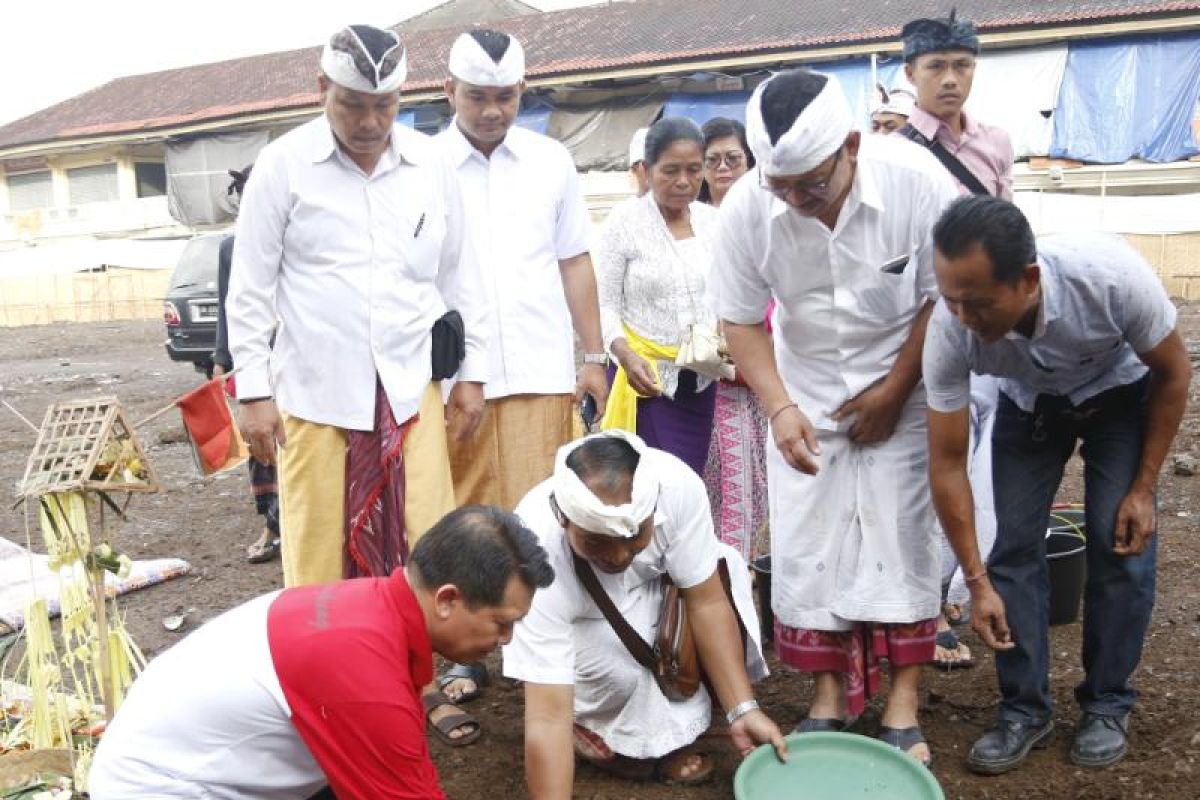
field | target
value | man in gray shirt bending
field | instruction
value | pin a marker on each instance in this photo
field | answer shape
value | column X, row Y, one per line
column 1082, row 335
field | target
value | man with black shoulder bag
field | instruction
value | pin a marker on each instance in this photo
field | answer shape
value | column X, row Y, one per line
column 649, row 619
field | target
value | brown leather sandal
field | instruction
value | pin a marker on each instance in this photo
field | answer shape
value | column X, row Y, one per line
column 667, row 770
column 451, row 722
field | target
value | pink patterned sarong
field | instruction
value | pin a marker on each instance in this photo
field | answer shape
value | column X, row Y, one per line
column 856, row 653
column 375, row 542
column 736, row 471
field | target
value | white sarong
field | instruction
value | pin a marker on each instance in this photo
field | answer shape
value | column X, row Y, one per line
column 857, row 541
column 618, row 699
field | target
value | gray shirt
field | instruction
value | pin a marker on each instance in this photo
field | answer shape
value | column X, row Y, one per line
column 1101, row 306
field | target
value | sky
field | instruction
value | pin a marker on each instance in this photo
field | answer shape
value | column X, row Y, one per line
column 92, row 43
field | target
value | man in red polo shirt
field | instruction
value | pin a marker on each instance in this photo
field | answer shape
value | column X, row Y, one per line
column 320, row 685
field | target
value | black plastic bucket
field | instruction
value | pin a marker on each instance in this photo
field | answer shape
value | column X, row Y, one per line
column 1066, row 557
column 766, row 617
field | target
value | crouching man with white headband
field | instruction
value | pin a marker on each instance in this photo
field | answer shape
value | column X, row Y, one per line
column 837, row 230
column 630, row 515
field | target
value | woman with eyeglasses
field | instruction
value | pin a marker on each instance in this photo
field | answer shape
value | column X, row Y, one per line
column 652, row 267
column 736, row 470
column 727, row 157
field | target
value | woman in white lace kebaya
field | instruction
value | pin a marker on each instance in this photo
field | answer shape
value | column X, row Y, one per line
column 652, row 267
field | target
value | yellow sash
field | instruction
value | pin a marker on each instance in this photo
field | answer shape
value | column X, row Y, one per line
column 621, row 411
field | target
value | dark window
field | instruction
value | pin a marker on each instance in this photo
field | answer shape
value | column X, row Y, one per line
column 151, row 178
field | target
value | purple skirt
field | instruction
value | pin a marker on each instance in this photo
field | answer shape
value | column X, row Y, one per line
column 683, row 426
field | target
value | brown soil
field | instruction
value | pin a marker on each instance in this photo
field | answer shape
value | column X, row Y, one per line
column 210, row 521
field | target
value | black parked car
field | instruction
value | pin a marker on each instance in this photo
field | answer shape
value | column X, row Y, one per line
column 190, row 307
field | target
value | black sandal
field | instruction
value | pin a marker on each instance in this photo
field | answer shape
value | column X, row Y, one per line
column 905, row 739
column 819, row 725
column 948, row 640
column 661, row 770
column 451, row 722
column 476, row 673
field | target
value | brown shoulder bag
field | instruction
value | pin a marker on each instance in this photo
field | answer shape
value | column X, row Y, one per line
column 674, row 659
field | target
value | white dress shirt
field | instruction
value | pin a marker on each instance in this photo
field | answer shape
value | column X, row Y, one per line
column 652, row 282
column 527, row 214
column 840, row 320
column 356, row 268
column 1101, row 306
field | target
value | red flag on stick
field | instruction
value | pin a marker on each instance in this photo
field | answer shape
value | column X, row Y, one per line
column 216, row 442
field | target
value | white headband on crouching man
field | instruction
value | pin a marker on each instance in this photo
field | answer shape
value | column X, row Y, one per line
column 366, row 59
column 577, row 503
column 787, row 143
column 487, row 58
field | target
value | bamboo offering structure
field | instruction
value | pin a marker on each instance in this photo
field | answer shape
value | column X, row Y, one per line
column 85, row 457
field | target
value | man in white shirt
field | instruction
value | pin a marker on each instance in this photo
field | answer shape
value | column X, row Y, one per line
column 351, row 236
column 626, row 515
column 530, row 228
column 1082, row 336
column 836, row 228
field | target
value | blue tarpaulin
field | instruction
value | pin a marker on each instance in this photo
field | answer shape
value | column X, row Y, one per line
column 854, row 76
column 700, row 107
column 1129, row 97
column 534, row 114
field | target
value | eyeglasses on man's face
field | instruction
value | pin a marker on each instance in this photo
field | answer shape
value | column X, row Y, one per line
column 733, row 159
column 784, row 189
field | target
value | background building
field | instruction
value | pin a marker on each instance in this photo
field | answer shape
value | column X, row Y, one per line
column 1100, row 97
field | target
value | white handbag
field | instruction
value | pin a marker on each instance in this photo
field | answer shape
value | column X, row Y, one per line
column 702, row 350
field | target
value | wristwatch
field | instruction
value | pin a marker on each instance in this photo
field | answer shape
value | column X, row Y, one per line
column 596, row 358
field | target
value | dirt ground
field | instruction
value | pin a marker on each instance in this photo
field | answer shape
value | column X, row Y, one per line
column 210, row 521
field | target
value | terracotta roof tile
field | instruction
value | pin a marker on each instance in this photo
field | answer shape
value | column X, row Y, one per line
column 570, row 42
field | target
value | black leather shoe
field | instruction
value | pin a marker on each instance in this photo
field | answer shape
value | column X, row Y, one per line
column 1006, row 744
column 1100, row 739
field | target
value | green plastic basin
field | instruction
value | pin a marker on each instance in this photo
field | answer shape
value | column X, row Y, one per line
column 834, row 766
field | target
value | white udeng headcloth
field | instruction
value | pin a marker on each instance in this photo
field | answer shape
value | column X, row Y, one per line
column 637, row 146
column 340, row 66
column 470, row 63
column 583, row 508
column 815, row 135
column 897, row 101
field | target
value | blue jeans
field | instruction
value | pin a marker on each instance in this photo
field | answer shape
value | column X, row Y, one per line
column 1028, row 455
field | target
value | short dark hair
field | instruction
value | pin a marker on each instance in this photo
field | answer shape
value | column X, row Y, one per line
column 478, row 549
column 785, row 98
column 721, row 128
column 996, row 225
column 666, row 132
column 494, row 43
column 606, row 458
